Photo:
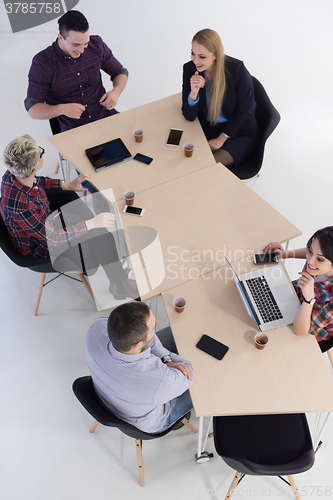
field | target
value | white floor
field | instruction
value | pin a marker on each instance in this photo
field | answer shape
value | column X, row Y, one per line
column 46, row 450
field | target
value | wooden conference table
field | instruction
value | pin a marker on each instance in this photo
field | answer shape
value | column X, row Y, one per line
column 289, row 376
column 200, row 218
column 156, row 119
column 199, row 212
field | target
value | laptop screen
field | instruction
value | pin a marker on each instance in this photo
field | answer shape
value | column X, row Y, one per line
column 242, row 294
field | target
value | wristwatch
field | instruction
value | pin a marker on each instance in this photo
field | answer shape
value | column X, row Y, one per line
column 225, row 135
column 312, row 301
column 166, row 359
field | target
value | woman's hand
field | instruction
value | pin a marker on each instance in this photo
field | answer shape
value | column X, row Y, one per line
column 274, row 246
column 105, row 219
column 306, row 284
column 197, row 82
column 75, row 185
column 218, row 142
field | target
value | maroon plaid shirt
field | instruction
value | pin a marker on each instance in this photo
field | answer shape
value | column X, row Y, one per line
column 56, row 78
column 26, row 213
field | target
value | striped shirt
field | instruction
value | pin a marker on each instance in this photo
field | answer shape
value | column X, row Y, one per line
column 27, row 215
column 56, row 78
column 137, row 388
column 322, row 312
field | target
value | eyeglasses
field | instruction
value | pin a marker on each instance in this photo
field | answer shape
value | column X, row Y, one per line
column 42, row 152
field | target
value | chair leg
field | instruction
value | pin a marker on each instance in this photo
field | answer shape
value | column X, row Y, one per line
column 93, row 427
column 57, row 168
column 330, row 356
column 190, row 426
column 294, row 487
column 39, row 293
column 138, row 444
column 233, row 485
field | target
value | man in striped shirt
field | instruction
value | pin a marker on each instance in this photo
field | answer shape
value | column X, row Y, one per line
column 136, row 373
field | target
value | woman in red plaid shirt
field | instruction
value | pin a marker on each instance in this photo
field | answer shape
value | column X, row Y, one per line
column 45, row 216
column 314, row 287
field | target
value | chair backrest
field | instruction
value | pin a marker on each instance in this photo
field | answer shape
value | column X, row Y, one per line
column 83, row 389
column 55, row 126
column 268, row 118
column 277, row 444
column 7, row 246
column 39, row 264
column 266, row 114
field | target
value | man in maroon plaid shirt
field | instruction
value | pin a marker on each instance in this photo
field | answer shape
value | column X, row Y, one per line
column 65, row 78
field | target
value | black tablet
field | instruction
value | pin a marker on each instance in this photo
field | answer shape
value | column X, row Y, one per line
column 108, row 154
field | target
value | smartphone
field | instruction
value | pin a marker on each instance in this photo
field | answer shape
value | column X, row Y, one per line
column 265, row 258
column 174, row 137
column 129, row 209
column 212, row 347
column 143, row 158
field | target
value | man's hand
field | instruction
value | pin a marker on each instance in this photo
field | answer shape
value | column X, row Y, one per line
column 75, row 185
column 73, row 110
column 109, row 99
column 182, row 367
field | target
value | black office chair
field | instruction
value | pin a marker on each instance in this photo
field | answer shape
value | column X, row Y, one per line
column 84, row 391
column 38, row 264
column 265, row 445
column 268, row 118
column 326, row 346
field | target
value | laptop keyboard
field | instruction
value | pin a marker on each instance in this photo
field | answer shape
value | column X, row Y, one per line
column 264, row 300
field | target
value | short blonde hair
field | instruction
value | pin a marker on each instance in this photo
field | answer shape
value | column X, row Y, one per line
column 212, row 42
column 21, row 156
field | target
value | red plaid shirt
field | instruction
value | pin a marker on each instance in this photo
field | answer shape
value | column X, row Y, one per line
column 322, row 312
column 26, row 213
column 56, row 78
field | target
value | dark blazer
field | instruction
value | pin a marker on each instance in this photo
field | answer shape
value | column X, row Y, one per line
column 238, row 104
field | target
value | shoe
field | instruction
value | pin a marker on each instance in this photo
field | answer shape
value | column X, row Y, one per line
column 180, row 423
column 130, row 290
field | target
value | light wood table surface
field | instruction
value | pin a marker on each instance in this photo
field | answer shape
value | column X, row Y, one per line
column 200, row 218
column 290, row 375
column 156, row 119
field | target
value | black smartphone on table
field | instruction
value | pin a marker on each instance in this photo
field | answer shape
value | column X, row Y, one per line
column 174, row 137
column 265, row 258
column 143, row 158
column 212, row 347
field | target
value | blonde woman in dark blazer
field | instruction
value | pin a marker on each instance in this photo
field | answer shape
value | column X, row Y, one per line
column 218, row 90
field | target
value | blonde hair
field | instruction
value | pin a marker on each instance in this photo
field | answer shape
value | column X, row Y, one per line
column 212, row 42
column 21, row 156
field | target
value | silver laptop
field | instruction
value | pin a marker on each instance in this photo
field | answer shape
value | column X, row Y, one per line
column 268, row 295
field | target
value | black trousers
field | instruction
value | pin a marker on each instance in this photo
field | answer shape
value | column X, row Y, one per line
column 97, row 247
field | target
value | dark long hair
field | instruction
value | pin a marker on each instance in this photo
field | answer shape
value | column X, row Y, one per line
column 325, row 238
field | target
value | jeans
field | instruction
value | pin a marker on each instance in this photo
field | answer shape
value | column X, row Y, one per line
column 183, row 402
